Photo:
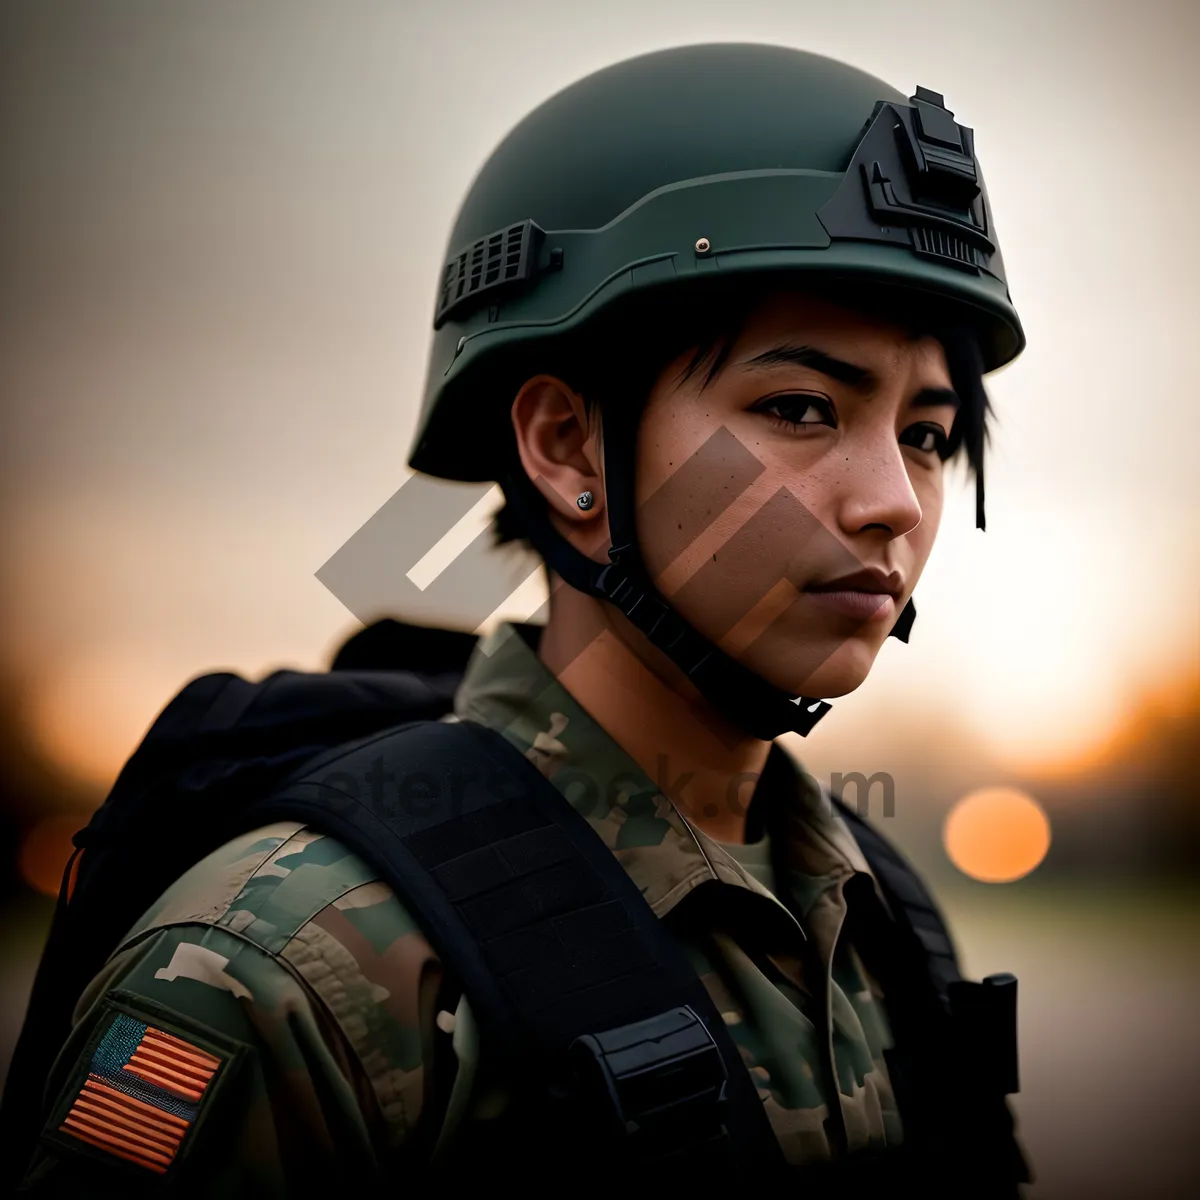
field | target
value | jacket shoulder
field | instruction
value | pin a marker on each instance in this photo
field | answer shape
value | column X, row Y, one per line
column 265, row 886
column 317, row 918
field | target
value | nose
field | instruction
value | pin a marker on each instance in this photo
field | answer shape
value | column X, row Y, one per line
column 876, row 491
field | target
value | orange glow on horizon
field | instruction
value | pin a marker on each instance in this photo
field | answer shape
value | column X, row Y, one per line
column 996, row 835
column 1150, row 714
column 89, row 716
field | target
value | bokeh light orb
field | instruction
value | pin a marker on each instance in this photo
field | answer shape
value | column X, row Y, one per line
column 996, row 834
column 47, row 848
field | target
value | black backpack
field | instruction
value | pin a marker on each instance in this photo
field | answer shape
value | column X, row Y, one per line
column 565, row 964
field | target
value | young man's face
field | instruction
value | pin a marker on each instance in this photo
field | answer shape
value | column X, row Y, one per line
column 813, row 454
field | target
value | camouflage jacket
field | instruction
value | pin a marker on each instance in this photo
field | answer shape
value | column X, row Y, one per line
column 278, row 1018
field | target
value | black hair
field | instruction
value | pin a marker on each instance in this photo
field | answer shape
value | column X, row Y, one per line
column 618, row 360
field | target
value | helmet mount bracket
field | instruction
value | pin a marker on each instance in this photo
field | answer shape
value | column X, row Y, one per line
column 914, row 180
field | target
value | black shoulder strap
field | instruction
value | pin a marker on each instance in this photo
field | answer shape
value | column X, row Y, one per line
column 910, row 900
column 955, row 1059
column 567, row 968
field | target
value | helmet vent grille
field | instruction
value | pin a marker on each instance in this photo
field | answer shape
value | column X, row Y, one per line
column 507, row 256
column 941, row 244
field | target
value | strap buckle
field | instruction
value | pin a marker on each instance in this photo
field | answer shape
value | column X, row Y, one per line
column 647, row 612
column 662, row 1081
column 986, row 1014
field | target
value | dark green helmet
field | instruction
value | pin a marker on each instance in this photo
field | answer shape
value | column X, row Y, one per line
column 689, row 164
column 677, row 170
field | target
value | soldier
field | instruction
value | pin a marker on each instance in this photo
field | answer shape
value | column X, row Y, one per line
column 717, row 319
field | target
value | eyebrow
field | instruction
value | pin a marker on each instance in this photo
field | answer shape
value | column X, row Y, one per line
column 932, row 397
column 861, row 379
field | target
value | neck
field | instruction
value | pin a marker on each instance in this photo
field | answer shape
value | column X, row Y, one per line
column 702, row 763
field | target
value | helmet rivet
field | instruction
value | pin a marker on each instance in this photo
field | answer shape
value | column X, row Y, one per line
column 585, row 500
column 703, row 245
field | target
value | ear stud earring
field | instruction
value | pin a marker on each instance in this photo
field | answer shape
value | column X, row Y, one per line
column 585, row 500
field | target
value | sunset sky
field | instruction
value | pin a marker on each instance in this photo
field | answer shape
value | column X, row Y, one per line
column 222, row 230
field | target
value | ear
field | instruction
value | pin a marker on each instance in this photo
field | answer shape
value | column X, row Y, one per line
column 559, row 445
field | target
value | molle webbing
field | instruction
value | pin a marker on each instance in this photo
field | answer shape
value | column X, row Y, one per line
column 549, row 936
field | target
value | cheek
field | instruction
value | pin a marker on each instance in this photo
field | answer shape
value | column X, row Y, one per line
column 690, row 468
column 669, row 434
column 711, row 486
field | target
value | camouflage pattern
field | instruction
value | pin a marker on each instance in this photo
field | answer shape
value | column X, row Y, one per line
column 284, row 941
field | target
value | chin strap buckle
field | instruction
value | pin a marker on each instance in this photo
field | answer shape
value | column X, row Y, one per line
column 640, row 606
column 813, row 711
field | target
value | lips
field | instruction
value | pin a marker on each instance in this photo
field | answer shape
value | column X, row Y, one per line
column 870, row 579
column 866, row 595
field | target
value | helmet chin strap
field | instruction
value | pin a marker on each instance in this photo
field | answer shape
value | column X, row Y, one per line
column 744, row 698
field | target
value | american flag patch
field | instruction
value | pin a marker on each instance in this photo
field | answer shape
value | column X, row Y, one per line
column 142, row 1093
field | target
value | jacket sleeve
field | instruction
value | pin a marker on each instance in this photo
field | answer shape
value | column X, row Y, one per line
column 201, row 1061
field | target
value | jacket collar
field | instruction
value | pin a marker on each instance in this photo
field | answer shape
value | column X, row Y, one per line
column 507, row 688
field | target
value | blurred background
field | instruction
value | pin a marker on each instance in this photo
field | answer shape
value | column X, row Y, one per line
column 221, row 228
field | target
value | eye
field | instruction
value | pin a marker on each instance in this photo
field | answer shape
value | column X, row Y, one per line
column 796, row 408
column 928, row 438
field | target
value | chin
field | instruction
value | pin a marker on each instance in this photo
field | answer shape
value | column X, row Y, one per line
column 807, row 670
